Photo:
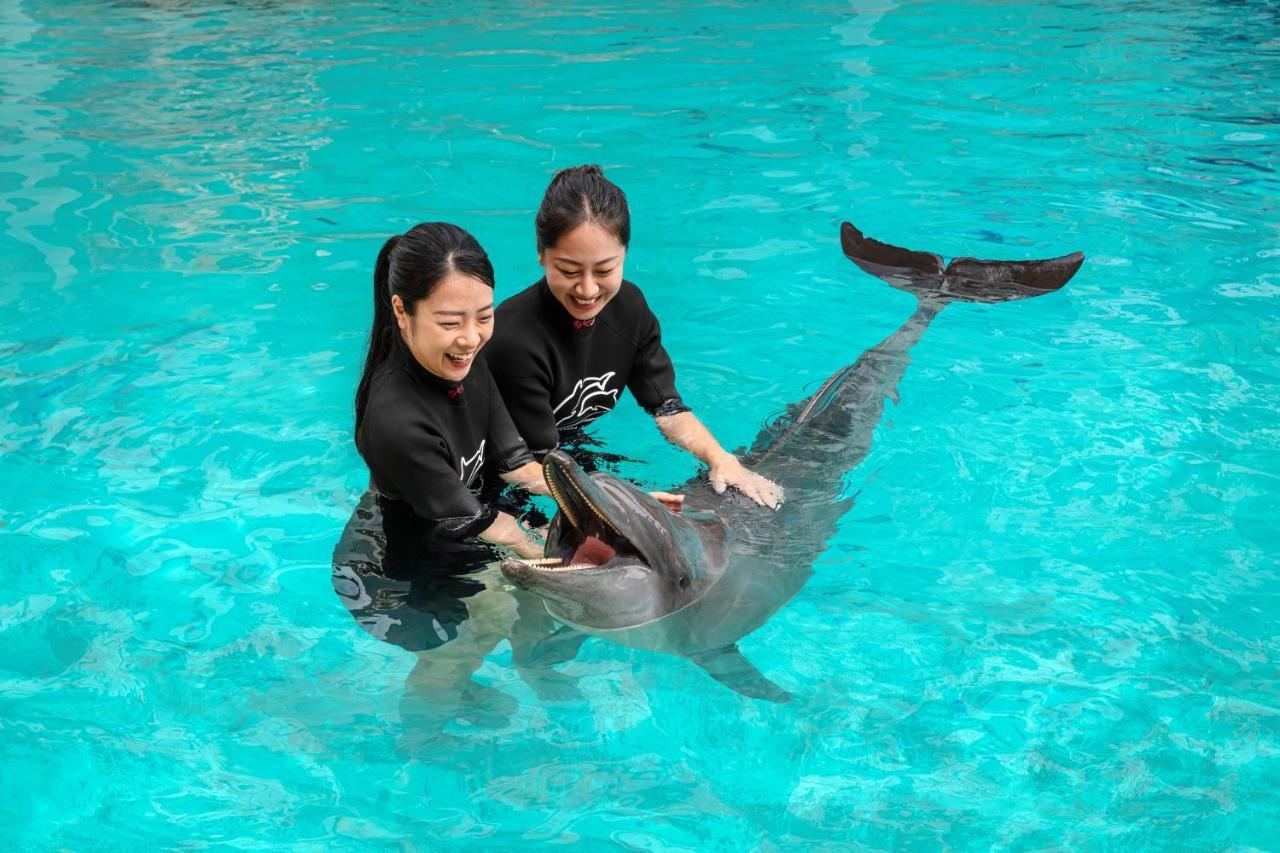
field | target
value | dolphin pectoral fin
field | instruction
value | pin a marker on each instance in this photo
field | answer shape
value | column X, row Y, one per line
column 537, row 640
column 727, row 666
column 559, row 646
column 534, row 660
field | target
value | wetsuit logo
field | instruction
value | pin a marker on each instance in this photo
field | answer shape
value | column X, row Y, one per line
column 469, row 466
column 590, row 399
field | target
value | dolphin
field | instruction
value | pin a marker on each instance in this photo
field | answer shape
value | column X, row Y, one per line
column 620, row 566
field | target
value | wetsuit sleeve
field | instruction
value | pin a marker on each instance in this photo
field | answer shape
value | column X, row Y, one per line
column 413, row 462
column 653, row 377
column 510, row 450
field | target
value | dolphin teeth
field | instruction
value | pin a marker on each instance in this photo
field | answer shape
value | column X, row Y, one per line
column 544, row 561
column 558, row 496
column 559, row 499
column 594, row 511
column 575, row 567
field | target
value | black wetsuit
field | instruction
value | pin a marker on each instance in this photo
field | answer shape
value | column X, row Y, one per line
column 558, row 374
column 433, row 448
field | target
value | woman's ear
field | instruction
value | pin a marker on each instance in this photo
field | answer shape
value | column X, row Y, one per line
column 402, row 318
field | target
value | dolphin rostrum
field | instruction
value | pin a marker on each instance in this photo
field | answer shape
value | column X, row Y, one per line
column 618, row 565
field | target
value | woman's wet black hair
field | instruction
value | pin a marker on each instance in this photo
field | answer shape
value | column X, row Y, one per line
column 410, row 266
column 578, row 195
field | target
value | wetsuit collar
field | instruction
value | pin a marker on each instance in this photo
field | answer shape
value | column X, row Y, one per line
column 453, row 392
column 559, row 318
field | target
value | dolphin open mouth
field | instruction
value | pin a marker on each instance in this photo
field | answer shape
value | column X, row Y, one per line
column 587, row 535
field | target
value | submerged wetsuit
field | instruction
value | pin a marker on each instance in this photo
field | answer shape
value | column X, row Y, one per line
column 427, row 442
column 558, row 374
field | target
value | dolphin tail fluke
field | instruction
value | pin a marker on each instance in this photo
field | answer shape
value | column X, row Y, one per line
column 964, row 279
column 727, row 666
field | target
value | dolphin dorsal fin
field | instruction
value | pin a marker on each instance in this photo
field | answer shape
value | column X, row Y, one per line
column 727, row 666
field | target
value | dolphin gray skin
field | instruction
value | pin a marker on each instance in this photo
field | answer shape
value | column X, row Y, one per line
column 621, row 567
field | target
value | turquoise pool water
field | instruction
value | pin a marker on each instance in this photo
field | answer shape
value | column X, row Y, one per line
column 1050, row 618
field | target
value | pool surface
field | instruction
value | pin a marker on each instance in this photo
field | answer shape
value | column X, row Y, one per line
column 1050, row 618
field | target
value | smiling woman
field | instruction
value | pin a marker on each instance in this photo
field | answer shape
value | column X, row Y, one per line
column 430, row 425
column 426, row 421
column 569, row 344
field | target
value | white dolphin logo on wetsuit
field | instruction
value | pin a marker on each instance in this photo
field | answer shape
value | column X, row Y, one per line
column 469, row 466
column 590, row 399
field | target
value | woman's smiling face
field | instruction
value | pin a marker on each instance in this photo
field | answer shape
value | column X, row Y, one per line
column 449, row 327
column 584, row 269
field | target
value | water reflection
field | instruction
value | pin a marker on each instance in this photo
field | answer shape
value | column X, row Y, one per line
column 450, row 610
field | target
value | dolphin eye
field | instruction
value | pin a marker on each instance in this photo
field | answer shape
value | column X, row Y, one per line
column 684, row 582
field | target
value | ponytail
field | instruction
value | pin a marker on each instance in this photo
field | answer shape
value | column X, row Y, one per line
column 380, row 339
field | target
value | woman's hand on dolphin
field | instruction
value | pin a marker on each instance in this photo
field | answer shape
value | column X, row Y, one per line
column 529, row 477
column 673, row 503
column 684, row 430
column 508, row 532
column 728, row 471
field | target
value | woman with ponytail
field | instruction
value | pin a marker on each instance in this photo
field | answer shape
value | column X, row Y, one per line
column 566, row 347
column 430, row 424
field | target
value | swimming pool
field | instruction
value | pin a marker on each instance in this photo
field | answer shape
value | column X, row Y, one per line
column 1048, row 619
